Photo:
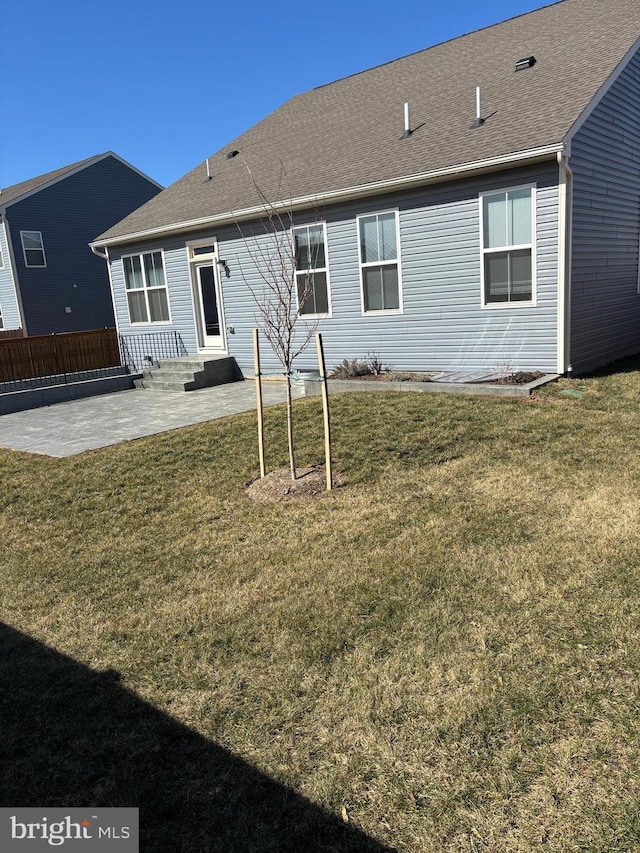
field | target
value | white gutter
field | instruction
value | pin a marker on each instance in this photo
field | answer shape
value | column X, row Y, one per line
column 95, row 251
column 351, row 193
column 565, row 208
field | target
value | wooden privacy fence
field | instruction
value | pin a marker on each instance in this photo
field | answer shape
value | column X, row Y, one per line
column 11, row 333
column 53, row 355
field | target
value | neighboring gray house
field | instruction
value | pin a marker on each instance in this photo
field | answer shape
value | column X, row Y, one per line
column 50, row 281
column 462, row 244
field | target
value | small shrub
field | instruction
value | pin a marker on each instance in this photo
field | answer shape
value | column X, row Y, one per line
column 520, row 377
column 374, row 363
column 350, row 367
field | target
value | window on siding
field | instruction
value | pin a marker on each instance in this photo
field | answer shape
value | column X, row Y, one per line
column 33, row 248
column 378, row 237
column 146, row 288
column 507, row 246
column 1, row 320
column 202, row 250
column 311, row 269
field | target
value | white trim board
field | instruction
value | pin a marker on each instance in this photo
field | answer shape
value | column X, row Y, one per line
column 602, row 91
column 408, row 182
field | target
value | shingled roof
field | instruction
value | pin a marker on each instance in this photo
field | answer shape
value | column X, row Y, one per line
column 348, row 135
column 10, row 194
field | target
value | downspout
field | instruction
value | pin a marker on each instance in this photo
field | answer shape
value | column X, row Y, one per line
column 14, row 273
column 565, row 218
column 96, row 251
column 105, row 257
column 112, row 289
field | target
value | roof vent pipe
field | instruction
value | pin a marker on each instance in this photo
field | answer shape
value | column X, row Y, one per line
column 525, row 62
column 208, row 171
column 479, row 120
column 407, row 123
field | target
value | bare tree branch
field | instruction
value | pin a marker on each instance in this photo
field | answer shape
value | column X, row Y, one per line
column 280, row 303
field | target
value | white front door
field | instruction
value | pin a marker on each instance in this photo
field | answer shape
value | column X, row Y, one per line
column 209, row 306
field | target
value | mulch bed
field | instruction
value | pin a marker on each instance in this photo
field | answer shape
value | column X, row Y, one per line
column 277, row 486
column 518, row 378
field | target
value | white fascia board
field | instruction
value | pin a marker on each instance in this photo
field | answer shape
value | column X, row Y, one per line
column 602, row 91
column 504, row 161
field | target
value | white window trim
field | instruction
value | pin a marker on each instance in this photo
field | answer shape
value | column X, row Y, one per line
column 385, row 311
column 1, row 259
column 24, row 251
column 140, row 255
column 324, row 269
column 500, row 306
column 207, row 256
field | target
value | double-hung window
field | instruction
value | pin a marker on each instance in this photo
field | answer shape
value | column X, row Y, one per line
column 33, row 249
column 146, row 288
column 507, row 246
column 312, row 282
column 379, row 266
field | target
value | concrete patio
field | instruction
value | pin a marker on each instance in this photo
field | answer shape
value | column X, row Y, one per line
column 68, row 428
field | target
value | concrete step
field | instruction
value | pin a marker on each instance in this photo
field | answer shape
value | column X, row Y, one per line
column 193, row 362
column 169, row 375
column 160, row 385
column 189, row 373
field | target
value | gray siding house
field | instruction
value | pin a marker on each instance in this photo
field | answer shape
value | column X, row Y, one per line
column 50, row 281
column 472, row 206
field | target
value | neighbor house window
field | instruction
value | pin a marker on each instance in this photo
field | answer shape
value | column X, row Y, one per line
column 507, row 246
column 378, row 237
column 33, row 248
column 312, row 283
column 146, row 288
column 1, row 320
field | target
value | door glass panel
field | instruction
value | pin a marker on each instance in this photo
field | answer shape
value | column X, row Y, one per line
column 207, row 283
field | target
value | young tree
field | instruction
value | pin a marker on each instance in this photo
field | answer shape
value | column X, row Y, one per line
column 276, row 253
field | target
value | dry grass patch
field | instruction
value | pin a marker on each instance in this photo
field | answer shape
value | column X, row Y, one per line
column 444, row 650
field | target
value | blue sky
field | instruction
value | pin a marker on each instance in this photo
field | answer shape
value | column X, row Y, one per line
column 164, row 85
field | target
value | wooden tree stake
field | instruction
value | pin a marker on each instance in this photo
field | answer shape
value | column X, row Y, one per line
column 325, row 409
column 256, row 364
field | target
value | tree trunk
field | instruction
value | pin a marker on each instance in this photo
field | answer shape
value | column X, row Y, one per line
column 292, row 457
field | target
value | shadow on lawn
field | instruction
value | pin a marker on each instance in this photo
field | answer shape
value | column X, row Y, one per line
column 70, row 737
column 631, row 364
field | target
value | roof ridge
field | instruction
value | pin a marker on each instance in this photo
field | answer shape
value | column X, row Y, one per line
column 431, row 46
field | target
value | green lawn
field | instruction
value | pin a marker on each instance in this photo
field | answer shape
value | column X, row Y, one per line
column 441, row 655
